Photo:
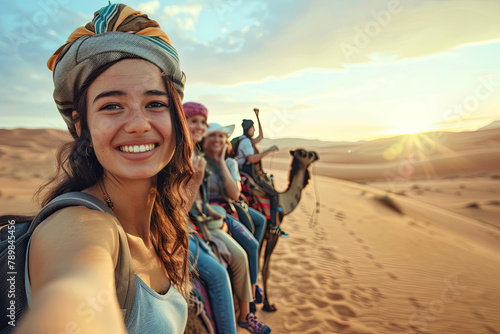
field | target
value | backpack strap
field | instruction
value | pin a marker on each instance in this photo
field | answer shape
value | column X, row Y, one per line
column 124, row 271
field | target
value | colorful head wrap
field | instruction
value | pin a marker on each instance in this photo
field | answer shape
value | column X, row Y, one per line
column 193, row 109
column 116, row 32
column 247, row 124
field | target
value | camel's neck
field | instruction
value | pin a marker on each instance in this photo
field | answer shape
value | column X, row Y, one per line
column 289, row 199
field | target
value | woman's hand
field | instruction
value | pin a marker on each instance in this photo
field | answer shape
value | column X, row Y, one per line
column 199, row 163
column 193, row 186
column 256, row 111
column 220, row 158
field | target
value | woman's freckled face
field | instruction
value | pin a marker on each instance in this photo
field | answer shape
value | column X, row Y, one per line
column 128, row 115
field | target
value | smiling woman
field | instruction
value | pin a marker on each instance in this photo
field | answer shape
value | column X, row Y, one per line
column 118, row 86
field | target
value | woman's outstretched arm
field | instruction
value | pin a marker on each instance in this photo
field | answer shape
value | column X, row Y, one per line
column 258, row 139
column 72, row 257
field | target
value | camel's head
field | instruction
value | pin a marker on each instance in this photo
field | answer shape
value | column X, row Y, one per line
column 304, row 157
column 301, row 160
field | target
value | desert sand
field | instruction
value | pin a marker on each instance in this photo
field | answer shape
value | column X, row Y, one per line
column 394, row 235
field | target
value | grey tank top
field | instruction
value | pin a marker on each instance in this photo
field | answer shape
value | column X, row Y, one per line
column 151, row 312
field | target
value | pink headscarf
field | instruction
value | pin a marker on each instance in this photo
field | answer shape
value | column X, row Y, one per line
column 192, row 109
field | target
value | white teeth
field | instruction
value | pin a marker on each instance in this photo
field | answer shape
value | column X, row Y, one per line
column 137, row 148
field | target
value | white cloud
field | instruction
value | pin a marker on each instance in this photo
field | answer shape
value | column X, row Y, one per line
column 185, row 16
column 149, row 8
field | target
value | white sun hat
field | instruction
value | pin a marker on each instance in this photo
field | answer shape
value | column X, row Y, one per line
column 216, row 127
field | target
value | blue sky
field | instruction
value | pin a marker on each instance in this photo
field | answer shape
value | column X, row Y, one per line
column 319, row 69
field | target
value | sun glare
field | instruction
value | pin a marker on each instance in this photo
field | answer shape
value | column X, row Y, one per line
column 412, row 120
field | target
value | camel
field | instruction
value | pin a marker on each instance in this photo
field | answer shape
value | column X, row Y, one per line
column 287, row 201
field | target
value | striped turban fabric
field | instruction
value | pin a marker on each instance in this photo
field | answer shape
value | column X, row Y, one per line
column 116, row 32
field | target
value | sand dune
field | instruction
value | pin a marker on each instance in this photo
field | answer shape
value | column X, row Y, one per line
column 395, row 247
column 361, row 267
column 429, row 155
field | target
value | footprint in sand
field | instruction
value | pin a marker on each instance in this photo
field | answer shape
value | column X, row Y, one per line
column 478, row 315
column 491, row 329
column 291, row 260
column 301, row 240
column 379, row 265
column 334, row 285
column 335, row 326
column 334, row 296
column 415, row 302
column 328, row 282
column 314, row 331
column 366, row 247
column 300, row 249
column 366, row 298
column 293, row 321
column 394, row 326
column 305, row 310
column 360, row 299
column 344, row 311
column 340, row 215
column 376, row 292
column 349, row 272
column 352, row 233
column 320, row 302
column 391, row 275
column 368, row 255
column 307, row 265
column 359, row 240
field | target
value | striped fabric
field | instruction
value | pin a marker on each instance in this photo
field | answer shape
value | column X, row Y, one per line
column 103, row 18
column 119, row 17
column 116, row 32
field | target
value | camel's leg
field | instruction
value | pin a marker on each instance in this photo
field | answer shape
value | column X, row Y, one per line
column 271, row 243
column 264, row 240
column 266, row 212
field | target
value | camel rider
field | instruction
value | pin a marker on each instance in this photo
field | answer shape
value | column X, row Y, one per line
column 246, row 145
column 248, row 155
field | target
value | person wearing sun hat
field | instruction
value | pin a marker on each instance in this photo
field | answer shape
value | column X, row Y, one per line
column 224, row 186
column 231, row 187
column 215, row 147
column 118, row 85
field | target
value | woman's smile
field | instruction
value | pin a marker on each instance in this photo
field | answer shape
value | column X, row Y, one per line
column 137, row 148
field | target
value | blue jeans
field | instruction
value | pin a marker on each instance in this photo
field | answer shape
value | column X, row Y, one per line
column 259, row 221
column 216, row 279
column 246, row 240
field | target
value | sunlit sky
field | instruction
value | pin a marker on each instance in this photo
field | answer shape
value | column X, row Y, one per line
column 318, row 69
